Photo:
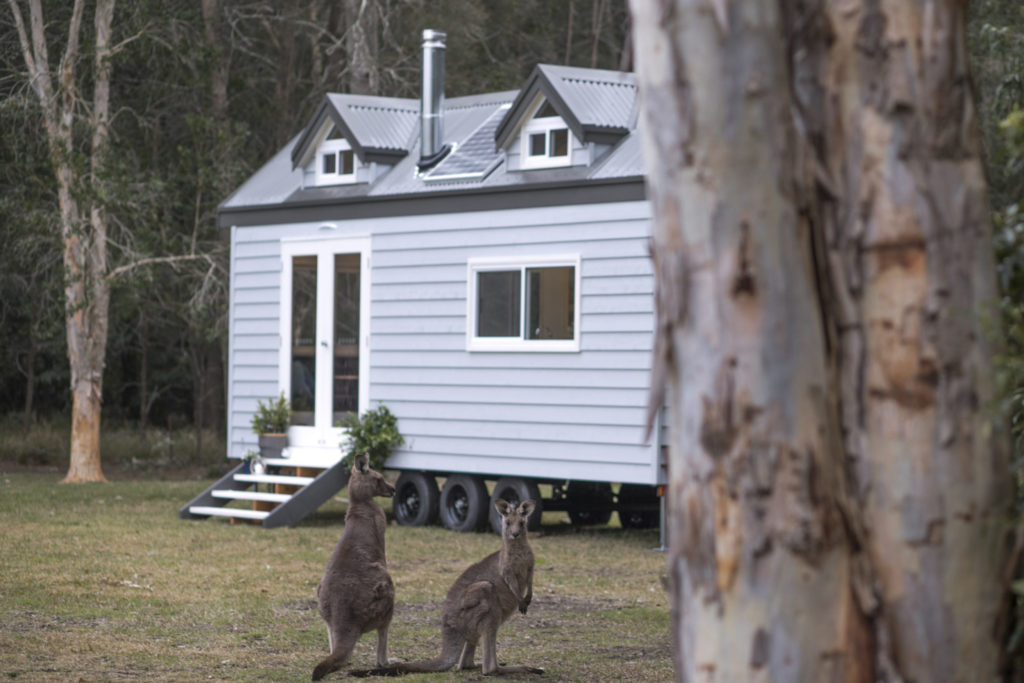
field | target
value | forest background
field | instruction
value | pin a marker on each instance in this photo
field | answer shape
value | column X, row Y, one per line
column 203, row 93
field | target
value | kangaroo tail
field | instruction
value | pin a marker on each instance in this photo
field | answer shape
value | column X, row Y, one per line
column 451, row 648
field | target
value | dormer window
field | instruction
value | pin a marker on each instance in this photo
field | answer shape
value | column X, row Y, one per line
column 336, row 163
column 546, row 142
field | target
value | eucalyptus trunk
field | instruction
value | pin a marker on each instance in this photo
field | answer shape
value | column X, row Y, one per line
column 838, row 495
column 910, row 262
column 83, row 220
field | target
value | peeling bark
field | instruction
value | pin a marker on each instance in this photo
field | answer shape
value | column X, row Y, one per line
column 910, row 257
column 754, row 480
column 838, row 496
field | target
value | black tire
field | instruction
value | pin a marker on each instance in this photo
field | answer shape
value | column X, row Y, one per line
column 638, row 506
column 515, row 491
column 590, row 502
column 416, row 499
column 464, row 503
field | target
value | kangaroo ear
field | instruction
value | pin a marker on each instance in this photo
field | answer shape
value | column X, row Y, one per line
column 361, row 463
column 526, row 508
column 502, row 506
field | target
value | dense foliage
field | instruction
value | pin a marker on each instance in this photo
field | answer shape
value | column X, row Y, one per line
column 997, row 53
column 200, row 102
column 202, row 94
column 375, row 433
column 272, row 417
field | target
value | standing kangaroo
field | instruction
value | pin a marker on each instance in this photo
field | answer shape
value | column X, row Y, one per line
column 482, row 599
column 356, row 594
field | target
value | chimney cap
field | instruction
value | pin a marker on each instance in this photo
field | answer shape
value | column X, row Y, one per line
column 436, row 38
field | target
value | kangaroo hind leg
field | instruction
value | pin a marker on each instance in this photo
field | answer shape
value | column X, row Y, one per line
column 382, row 645
column 343, row 641
column 467, row 656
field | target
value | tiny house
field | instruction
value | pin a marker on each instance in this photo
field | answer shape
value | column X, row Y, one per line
column 477, row 264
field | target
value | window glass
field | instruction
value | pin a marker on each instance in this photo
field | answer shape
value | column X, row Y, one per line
column 330, row 163
column 538, row 148
column 550, row 298
column 346, row 335
column 559, row 142
column 347, row 162
column 498, row 303
column 545, row 111
column 303, row 339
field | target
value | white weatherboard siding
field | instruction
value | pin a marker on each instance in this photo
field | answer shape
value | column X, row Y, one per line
column 575, row 416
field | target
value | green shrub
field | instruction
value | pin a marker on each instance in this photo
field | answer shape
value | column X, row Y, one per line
column 375, row 433
column 272, row 417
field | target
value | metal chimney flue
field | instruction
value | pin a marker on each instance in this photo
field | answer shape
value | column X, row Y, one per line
column 432, row 147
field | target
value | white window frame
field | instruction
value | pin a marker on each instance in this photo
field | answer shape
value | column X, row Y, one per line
column 544, row 125
column 521, row 343
column 327, row 148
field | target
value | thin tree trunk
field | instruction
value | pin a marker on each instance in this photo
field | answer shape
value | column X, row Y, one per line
column 361, row 47
column 215, row 43
column 568, row 34
column 30, row 379
column 143, row 371
column 596, row 20
column 86, row 290
column 760, row 564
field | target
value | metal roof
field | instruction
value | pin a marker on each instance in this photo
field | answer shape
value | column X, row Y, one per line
column 378, row 122
column 598, row 105
column 598, row 98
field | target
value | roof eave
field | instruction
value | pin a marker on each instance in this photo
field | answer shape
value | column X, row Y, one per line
column 472, row 199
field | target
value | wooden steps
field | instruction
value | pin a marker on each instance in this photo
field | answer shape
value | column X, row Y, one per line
column 253, row 495
column 239, row 513
column 299, row 487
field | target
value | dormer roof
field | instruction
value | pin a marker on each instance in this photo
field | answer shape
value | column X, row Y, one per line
column 378, row 128
column 598, row 105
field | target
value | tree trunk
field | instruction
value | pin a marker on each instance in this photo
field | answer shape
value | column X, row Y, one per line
column 754, row 482
column 838, row 498
column 143, row 371
column 912, row 269
column 215, row 43
column 30, row 378
column 87, row 293
column 363, row 77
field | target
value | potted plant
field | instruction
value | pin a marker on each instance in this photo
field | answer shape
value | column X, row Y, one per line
column 270, row 424
column 375, row 433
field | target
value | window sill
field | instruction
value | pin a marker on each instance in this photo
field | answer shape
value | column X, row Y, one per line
column 514, row 345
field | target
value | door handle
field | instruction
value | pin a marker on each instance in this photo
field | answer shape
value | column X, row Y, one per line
column 323, row 344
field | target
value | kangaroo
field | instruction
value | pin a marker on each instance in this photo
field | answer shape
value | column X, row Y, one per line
column 356, row 594
column 482, row 599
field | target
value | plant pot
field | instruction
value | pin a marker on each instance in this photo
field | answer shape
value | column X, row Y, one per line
column 271, row 445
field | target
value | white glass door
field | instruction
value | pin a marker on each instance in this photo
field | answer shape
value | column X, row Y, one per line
column 324, row 340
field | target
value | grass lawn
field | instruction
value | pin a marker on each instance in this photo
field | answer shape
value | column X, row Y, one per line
column 105, row 582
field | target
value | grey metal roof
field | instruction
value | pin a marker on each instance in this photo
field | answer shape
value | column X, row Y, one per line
column 597, row 104
column 598, row 98
column 378, row 122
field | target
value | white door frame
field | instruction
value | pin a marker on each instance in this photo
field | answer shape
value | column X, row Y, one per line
column 320, row 442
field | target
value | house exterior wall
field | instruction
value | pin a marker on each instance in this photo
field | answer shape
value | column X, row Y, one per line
column 572, row 416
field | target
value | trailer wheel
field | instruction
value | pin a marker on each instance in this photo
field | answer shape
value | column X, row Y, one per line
column 415, row 500
column 638, row 506
column 464, row 503
column 515, row 491
column 590, row 503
